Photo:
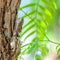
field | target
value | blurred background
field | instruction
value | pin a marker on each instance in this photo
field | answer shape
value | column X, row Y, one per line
column 40, row 34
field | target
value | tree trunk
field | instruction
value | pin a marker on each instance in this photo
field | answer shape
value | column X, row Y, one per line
column 9, row 28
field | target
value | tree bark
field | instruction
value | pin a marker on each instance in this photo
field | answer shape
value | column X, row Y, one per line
column 9, row 29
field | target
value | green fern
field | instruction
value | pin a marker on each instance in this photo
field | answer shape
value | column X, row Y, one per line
column 40, row 17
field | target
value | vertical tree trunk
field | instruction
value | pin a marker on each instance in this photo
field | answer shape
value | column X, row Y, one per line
column 9, row 29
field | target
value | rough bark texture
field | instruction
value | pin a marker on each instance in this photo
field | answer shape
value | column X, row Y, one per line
column 9, row 29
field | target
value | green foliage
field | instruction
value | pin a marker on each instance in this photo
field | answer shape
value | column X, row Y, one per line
column 58, row 59
column 40, row 18
column 58, row 4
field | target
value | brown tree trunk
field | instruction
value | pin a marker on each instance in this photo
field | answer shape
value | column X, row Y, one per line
column 9, row 29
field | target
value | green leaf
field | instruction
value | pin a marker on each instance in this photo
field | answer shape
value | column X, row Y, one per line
column 27, row 6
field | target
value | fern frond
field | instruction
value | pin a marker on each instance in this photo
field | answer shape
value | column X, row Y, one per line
column 39, row 19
